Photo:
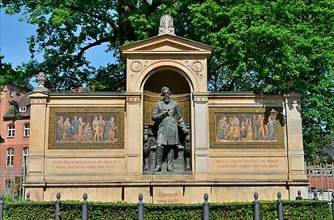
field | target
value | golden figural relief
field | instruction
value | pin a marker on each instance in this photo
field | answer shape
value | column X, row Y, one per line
column 240, row 128
column 246, row 127
column 90, row 128
column 86, row 127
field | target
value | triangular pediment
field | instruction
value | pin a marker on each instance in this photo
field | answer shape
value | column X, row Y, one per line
column 166, row 44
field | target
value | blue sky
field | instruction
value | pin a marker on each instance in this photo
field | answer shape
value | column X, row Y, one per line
column 13, row 39
column 14, row 46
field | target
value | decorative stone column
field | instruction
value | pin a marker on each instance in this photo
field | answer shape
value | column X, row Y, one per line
column 201, row 134
column 296, row 172
column 37, row 139
column 133, row 133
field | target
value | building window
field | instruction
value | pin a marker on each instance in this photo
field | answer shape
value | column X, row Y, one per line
column 23, row 109
column 10, row 157
column 8, row 185
column 26, row 130
column 25, row 156
column 11, row 130
column 11, row 92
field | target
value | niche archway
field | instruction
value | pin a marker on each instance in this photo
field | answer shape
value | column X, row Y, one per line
column 180, row 90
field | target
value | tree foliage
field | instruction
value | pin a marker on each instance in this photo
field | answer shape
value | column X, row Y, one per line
column 21, row 75
column 257, row 46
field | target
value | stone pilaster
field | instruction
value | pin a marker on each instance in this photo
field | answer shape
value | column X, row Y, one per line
column 37, row 142
column 294, row 137
column 200, row 133
column 133, row 133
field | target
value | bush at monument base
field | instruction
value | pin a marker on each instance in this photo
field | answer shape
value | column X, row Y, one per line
column 71, row 210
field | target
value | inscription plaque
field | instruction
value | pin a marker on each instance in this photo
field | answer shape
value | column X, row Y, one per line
column 247, row 164
column 168, row 195
column 86, row 165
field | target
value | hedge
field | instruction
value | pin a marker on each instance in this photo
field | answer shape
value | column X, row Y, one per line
column 71, row 210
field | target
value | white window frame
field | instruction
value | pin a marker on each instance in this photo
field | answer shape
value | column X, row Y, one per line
column 10, row 157
column 11, row 130
column 26, row 130
column 23, row 109
column 25, row 155
column 8, row 185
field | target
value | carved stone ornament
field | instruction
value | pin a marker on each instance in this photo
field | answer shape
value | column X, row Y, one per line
column 136, row 66
column 41, row 78
column 197, row 66
column 166, row 25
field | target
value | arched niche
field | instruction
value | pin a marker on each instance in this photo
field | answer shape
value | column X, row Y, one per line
column 178, row 86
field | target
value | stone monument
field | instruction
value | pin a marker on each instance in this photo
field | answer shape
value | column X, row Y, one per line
column 230, row 144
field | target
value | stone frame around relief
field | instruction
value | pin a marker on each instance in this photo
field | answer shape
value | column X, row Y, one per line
column 224, row 135
column 98, row 128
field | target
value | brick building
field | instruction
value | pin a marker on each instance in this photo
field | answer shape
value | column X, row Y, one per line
column 15, row 133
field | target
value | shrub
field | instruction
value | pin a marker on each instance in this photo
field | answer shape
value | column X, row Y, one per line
column 71, row 210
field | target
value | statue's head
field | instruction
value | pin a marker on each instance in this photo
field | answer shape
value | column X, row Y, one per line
column 164, row 90
column 165, row 93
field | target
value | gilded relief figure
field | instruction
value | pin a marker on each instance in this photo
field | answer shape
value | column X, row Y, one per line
column 88, row 133
column 249, row 129
column 68, row 130
column 271, row 129
column 101, row 127
column 110, row 130
column 223, row 128
column 96, row 128
column 75, row 128
column 81, row 129
column 60, row 128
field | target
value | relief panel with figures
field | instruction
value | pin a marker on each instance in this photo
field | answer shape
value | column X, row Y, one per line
column 234, row 128
column 86, row 128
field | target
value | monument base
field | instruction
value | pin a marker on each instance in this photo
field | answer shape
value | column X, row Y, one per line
column 163, row 190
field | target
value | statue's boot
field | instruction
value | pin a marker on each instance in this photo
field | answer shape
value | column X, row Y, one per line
column 146, row 163
column 157, row 169
column 188, row 163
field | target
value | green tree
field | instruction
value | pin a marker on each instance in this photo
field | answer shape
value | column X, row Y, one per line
column 19, row 76
column 258, row 45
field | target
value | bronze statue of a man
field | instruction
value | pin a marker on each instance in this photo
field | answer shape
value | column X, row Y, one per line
column 167, row 116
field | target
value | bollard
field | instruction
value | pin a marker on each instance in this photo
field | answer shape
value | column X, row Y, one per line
column 28, row 197
column 315, row 195
column 256, row 207
column 140, row 207
column 299, row 197
column 332, row 205
column 16, row 197
column 206, row 208
column 279, row 206
column 1, row 205
column 58, row 206
column 84, row 212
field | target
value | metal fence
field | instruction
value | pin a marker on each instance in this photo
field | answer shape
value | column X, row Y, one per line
column 256, row 208
column 11, row 179
column 321, row 181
